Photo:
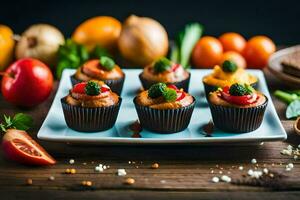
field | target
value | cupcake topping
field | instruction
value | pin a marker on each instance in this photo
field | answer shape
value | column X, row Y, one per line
column 169, row 92
column 92, row 94
column 163, row 64
column 91, row 88
column 240, row 94
column 229, row 66
column 107, row 63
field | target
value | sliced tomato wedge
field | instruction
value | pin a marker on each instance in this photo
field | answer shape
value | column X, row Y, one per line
column 17, row 145
column 79, row 88
column 171, row 86
column 239, row 100
column 181, row 96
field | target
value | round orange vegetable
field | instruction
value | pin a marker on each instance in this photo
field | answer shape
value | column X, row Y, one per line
column 235, row 57
column 258, row 50
column 102, row 30
column 6, row 46
column 233, row 42
column 207, row 52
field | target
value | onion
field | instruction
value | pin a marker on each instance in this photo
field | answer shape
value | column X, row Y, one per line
column 40, row 41
column 142, row 40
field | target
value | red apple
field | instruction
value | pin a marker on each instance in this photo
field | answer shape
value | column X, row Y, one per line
column 27, row 82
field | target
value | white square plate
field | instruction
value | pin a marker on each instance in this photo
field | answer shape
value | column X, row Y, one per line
column 54, row 127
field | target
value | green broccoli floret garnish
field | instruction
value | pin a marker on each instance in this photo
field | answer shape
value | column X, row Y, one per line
column 157, row 90
column 92, row 88
column 170, row 95
column 238, row 90
column 229, row 66
column 162, row 65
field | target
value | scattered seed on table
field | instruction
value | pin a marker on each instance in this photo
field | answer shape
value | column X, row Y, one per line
column 155, row 166
column 71, row 161
column 87, row 183
column 129, row 181
column 253, row 161
column 29, row 181
column 215, row 179
column 51, row 178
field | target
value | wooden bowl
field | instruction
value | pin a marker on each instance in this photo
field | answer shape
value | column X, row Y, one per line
column 275, row 67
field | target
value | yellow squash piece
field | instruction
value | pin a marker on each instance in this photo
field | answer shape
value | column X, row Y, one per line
column 6, row 46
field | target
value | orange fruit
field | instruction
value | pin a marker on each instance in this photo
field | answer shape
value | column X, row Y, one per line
column 102, row 30
column 234, row 57
column 7, row 44
column 258, row 50
column 207, row 52
column 233, row 42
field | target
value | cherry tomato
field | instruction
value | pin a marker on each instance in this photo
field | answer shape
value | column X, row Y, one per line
column 207, row 52
column 17, row 145
column 233, row 42
column 237, row 58
column 239, row 100
column 258, row 50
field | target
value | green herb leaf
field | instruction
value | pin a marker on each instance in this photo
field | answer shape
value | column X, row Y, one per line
column 237, row 90
column 22, row 121
column 92, row 88
column 170, row 95
column 249, row 89
column 70, row 55
column 156, row 90
column 162, row 65
column 186, row 41
column 293, row 110
column 107, row 63
column 229, row 66
column 286, row 96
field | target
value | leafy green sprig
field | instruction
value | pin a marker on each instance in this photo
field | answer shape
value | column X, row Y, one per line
column 20, row 121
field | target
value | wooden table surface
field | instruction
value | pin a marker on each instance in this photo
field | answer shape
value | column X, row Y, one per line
column 184, row 171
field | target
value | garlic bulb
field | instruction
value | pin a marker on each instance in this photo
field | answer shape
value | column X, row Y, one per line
column 40, row 41
column 142, row 40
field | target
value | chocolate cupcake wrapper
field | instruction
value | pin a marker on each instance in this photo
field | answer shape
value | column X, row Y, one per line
column 238, row 120
column 182, row 84
column 90, row 119
column 211, row 88
column 164, row 121
column 115, row 85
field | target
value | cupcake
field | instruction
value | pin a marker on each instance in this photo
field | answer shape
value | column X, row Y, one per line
column 238, row 108
column 226, row 75
column 91, row 106
column 165, row 71
column 164, row 108
column 103, row 69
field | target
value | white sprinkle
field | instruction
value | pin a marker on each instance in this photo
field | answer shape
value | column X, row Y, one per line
column 51, row 178
column 104, row 167
column 215, row 179
column 226, row 179
column 250, row 172
column 299, row 146
column 71, row 161
column 288, row 169
column 262, row 143
column 212, row 171
column 121, row 172
column 163, row 181
column 286, row 152
column 129, row 162
column 290, row 165
column 253, row 161
column 220, row 172
column 241, row 168
column 295, row 157
column 265, row 170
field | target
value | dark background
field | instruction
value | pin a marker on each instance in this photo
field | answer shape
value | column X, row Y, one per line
column 276, row 19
